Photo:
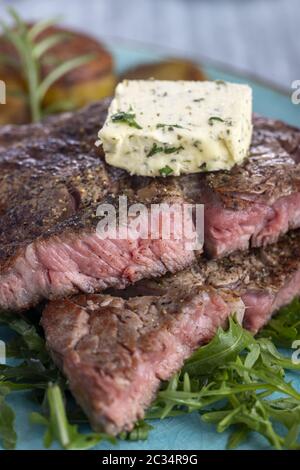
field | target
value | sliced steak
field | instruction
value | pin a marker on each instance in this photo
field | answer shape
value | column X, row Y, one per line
column 53, row 177
column 258, row 201
column 115, row 350
column 264, row 278
column 269, row 278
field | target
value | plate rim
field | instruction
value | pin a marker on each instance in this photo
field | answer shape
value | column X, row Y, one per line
column 171, row 52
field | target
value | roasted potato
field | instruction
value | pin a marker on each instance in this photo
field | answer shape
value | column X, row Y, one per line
column 87, row 83
column 172, row 69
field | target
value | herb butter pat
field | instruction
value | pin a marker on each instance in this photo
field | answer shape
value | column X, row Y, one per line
column 163, row 128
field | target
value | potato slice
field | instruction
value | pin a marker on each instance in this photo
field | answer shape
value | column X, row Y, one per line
column 172, row 69
column 87, row 83
column 90, row 82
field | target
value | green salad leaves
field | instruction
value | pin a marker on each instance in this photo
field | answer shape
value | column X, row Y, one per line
column 284, row 328
column 58, row 427
column 7, row 420
column 231, row 382
column 235, row 382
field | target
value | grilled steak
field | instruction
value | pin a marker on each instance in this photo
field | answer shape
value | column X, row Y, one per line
column 264, row 278
column 51, row 185
column 115, row 350
column 66, row 126
column 53, row 178
column 256, row 202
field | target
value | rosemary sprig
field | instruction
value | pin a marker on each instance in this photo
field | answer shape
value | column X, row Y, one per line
column 31, row 51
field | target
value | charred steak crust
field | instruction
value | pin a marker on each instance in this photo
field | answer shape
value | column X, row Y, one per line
column 67, row 126
column 115, row 349
column 270, row 172
column 46, row 179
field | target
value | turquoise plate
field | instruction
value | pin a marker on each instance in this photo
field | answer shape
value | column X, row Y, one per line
column 187, row 432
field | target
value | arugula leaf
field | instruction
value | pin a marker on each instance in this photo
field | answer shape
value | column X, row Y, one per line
column 28, row 339
column 7, row 419
column 225, row 346
column 238, row 374
column 139, row 433
column 37, row 368
column 284, row 328
column 238, row 436
column 33, row 371
column 250, row 412
column 58, row 427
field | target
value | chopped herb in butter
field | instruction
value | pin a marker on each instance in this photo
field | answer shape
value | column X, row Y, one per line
column 155, row 149
column 166, row 171
column 169, row 126
column 214, row 118
column 167, row 150
column 125, row 118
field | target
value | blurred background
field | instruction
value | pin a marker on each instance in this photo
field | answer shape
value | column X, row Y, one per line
column 257, row 36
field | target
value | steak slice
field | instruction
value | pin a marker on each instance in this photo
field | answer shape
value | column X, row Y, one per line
column 115, row 350
column 72, row 257
column 264, row 278
column 256, row 202
column 50, row 188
